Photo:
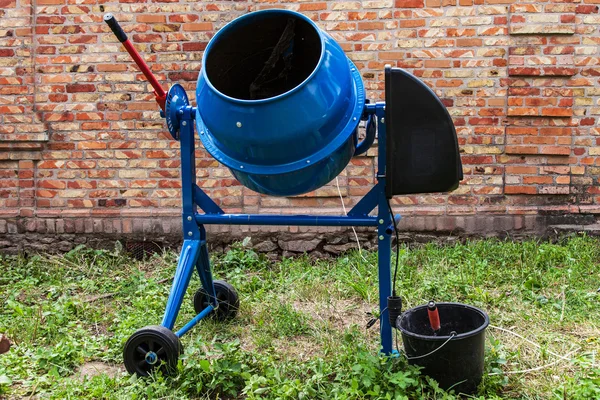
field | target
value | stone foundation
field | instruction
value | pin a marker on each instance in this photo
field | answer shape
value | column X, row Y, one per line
column 48, row 235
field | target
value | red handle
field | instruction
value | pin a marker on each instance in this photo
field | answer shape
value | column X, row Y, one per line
column 434, row 316
column 159, row 93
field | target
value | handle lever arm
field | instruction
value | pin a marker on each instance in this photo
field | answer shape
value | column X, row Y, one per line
column 159, row 93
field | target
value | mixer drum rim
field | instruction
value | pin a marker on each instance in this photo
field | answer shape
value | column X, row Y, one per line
column 214, row 41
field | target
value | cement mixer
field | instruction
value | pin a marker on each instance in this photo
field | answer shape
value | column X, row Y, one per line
column 279, row 104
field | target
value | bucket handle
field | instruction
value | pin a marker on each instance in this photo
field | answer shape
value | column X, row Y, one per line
column 452, row 335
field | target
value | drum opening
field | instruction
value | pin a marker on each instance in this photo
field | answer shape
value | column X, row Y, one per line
column 264, row 56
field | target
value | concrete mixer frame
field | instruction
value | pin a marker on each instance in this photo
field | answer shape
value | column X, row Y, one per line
column 417, row 153
column 195, row 252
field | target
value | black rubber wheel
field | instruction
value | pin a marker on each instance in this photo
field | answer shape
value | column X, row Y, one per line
column 228, row 299
column 150, row 348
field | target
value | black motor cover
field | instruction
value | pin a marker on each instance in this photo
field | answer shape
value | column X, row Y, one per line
column 422, row 148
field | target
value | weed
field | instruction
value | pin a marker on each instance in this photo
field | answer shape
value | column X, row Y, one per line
column 586, row 382
column 300, row 333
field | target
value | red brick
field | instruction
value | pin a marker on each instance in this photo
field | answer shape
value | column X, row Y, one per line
column 7, row 52
column 529, row 71
column 151, row 18
column 511, row 130
column 195, row 46
column 566, row 19
column 523, row 91
column 535, row 102
column 409, row 3
column 87, row 39
column 587, row 121
column 197, row 27
column 537, row 180
column 557, row 112
column 312, row 7
column 520, row 190
column 51, row 184
column 50, row 19
column 474, row 160
column 147, row 38
column 81, row 87
column 556, row 150
column 522, row 150
column 586, row 9
column 183, row 76
column 556, row 131
column 521, row 170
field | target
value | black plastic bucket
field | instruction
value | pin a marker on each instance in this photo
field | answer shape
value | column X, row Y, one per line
column 455, row 356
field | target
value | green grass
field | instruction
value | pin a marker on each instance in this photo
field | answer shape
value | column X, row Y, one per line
column 300, row 332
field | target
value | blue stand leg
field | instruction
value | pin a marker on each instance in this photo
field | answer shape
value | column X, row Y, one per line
column 384, row 238
column 185, row 267
column 203, row 268
column 194, row 252
column 194, row 321
column 385, row 276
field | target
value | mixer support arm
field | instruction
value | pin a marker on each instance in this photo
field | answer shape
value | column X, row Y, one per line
column 116, row 29
column 369, row 116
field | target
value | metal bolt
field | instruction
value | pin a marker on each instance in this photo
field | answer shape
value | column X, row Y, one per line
column 381, row 237
column 202, row 132
column 241, row 167
column 184, row 123
column 308, row 161
column 189, row 218
column 238, row 124
column 380, row 221
column 180, row 112
column 190, row 234
column 151, row 358
column 354, row 118
column 382, row 120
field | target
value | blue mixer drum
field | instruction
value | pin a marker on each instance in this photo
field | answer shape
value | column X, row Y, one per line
column 279, row 103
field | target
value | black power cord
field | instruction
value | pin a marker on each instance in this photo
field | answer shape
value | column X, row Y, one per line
column 397, row 247
column 397, row 300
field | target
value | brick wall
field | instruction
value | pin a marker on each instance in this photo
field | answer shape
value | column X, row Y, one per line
column 83, row 149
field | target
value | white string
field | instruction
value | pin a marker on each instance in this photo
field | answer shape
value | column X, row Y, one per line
column 431, row 352
column 529, row 341
column 337, row 183
column 562, row 309
column 524, row 371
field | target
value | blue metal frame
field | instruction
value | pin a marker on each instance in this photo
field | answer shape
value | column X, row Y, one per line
column 384, row 247
column 195, row 252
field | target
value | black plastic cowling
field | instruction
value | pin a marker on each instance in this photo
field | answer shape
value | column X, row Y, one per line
column 422, row 153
